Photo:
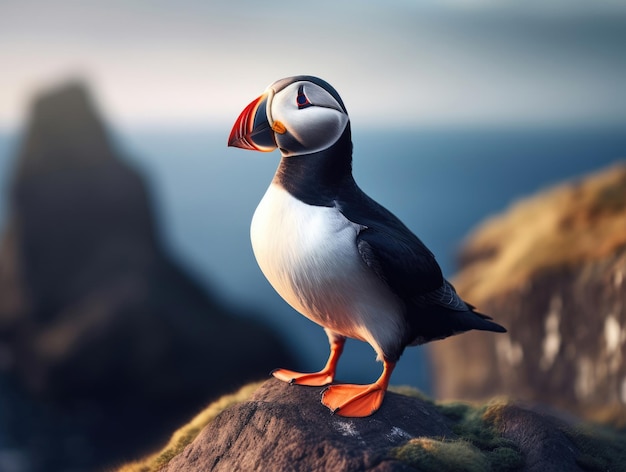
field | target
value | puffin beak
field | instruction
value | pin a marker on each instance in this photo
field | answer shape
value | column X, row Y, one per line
column 252, row 129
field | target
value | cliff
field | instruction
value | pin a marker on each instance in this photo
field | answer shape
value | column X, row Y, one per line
column 276, row 426
column 551, row 269
column 106, row 344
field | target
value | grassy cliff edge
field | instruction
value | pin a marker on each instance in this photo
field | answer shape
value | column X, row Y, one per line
column 479, row 442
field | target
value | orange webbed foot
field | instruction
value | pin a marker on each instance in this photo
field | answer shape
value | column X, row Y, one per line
column 314, row 379
column 353, row 400
column 358, row 400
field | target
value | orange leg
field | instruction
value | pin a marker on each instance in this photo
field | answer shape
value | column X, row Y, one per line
column 315, row 379
column 358, row 400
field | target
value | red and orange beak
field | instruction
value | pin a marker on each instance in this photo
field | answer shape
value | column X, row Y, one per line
column 252, row 129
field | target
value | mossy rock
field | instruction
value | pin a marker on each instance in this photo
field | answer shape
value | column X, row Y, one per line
column 498, row 436
column 477, row 447
column 601, row 448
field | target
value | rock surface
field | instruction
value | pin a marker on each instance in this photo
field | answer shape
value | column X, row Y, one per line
column 285, row 427
column 552, row 270
column 105, row 343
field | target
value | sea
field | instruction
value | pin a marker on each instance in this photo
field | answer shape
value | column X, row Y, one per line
column 441, row 182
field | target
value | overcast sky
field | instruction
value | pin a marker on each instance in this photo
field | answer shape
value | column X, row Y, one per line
column 394, row 63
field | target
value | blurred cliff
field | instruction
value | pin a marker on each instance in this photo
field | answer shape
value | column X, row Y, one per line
column 552, row 269
column 105, row 344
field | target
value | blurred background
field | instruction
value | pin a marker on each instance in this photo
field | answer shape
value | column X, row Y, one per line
column 458, row 108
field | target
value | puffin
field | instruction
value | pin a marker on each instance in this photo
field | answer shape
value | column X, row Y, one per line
column 333, row 253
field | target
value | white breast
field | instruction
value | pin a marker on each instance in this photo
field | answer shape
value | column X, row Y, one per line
column 309, row 255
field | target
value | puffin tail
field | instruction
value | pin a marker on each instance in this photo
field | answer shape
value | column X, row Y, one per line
column 450, row 315
column 475, row 320
column 481, row 321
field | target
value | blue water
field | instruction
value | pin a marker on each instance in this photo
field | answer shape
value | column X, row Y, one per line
column 441, row 183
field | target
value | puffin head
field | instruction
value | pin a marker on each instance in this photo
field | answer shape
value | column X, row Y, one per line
column 298, row 115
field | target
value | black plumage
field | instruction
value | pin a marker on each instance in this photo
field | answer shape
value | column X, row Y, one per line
column 336, row 255
column 433, row 309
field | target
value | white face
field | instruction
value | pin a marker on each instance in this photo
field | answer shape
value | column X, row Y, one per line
column 312, row 120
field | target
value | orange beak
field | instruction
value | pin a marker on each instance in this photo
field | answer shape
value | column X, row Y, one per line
column 252, row 129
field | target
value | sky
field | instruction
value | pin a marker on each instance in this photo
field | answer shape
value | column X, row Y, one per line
column 396, row 63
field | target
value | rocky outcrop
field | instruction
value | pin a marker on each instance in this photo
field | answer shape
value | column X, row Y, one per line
column 105, row 343
column 285, row 427
column 552, row 269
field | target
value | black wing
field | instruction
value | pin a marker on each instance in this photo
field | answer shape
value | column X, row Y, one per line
column 391, row 250
column 410, row 270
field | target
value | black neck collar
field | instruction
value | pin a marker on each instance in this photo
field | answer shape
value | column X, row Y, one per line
column 316, row 179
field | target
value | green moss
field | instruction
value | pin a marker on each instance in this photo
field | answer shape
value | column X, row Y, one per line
column 410, row 392
column 477, row 445
column 429, row 454
column 493, row 413
column 504, row 459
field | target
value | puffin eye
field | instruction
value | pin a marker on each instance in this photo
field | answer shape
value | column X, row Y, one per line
column 301, row 100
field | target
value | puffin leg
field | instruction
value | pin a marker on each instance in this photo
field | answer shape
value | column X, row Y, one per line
column 315, row 379
column 358, row 400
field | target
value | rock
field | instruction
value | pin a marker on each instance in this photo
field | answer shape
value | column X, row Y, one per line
column 285, row 427
column 552, row 270
column 541, row 439
column 105, row 343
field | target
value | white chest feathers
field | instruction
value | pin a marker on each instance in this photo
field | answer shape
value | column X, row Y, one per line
column 309, row 255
